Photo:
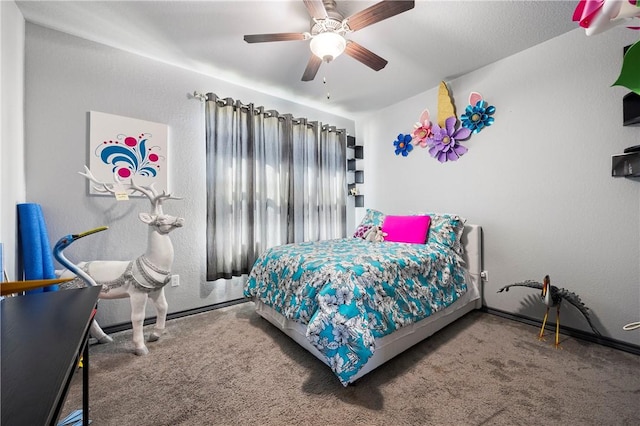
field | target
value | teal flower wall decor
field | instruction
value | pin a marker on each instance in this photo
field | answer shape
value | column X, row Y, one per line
column 477, row 117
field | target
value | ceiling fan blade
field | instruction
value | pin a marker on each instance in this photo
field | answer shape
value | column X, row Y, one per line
column 365, row 56
column 378, row 12
column 316, row 8
column 312, row 68
column 261, row 38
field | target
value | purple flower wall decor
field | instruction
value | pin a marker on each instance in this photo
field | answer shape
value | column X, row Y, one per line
column 403, row 144
column 444, row 144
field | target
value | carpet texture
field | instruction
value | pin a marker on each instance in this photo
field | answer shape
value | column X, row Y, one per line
column 231, row 367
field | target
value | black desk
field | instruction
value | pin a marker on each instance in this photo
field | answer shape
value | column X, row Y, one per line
column 42, row 336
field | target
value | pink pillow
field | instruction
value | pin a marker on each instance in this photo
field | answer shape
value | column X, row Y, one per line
column 406, row 229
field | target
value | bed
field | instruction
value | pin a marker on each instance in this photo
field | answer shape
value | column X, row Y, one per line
column 355, row 303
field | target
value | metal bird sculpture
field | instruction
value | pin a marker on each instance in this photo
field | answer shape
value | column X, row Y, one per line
column 553, row 296
column 65, row 242
column 62, row 244
column 75, row 418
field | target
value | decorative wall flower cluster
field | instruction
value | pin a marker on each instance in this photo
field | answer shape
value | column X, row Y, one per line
column 444, row 138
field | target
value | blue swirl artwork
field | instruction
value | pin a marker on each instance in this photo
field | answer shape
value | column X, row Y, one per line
column 130, row 156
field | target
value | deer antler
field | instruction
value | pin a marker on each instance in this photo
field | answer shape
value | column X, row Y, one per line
column 150, row 192
column 100, row 186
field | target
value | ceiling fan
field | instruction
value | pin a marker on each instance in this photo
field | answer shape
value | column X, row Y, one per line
column 328, row 30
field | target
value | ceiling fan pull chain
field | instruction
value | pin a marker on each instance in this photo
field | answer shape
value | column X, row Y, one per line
column 324, row 81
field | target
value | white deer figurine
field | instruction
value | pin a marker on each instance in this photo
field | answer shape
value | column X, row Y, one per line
column 139, row 279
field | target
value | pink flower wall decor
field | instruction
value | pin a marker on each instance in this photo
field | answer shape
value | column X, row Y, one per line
column 422, row 130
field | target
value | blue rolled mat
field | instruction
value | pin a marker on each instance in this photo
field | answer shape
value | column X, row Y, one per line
column 37, row 258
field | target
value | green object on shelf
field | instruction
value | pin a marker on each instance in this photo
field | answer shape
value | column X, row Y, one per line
column 630, row 74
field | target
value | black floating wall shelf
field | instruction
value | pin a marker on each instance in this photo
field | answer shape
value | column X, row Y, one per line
column 626, row 165
column 631, row 109
column 352, row 166
column 630, row 104
column 358, row 152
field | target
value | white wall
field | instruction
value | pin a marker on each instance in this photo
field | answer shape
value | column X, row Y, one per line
column 538, row 180
column 12, row 179
column 66, row 77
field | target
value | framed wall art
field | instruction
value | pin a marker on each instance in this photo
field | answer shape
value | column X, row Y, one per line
column 123, row 148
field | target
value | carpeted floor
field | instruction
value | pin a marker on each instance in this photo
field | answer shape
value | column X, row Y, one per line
column 231, row 367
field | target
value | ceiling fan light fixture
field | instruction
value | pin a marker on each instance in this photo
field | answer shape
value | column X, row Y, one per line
column 328, row 45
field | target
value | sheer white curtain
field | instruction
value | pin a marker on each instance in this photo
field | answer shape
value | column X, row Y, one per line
column 271, row 180
column 318, row 182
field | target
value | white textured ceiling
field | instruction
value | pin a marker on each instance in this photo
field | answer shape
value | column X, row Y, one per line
column 435, row 41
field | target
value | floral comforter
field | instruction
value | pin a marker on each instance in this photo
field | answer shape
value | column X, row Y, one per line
column 350, row 291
